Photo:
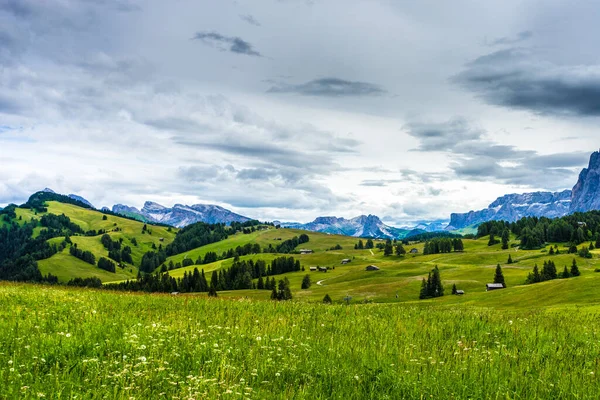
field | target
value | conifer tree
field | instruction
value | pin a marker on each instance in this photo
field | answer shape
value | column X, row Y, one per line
column 454, row 288
column 360, row 244
column 306, row 282
column 510, row 260
column 505, row 239
column 369, row 244
column 575, row 269
column 261, row 284
column 388, row 249
column 424, row 293
column 551, row 252
column 327, row 299
column 499, row 276
column 565, row 273
column 400, row 251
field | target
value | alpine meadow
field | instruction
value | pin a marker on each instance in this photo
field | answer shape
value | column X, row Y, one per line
column 299, row 199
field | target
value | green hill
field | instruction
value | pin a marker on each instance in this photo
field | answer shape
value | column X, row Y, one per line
column 66, row 266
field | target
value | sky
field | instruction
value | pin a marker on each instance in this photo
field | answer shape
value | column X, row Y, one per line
column 293, row 109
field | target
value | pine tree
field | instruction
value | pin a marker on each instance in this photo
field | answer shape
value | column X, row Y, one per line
column 306, row 282
column 575, row 269
column 565, row 273
column 261, row 283
column 510, row 260
column 360, row 244
column 454, row 288
column 438, row 288
column 388, row 249
column 424, row 293
column 592, row 247
column 327, row 299
column 212, row 292
column 551, row 252
column 369, row 244
column 400, row 251
column 499, row 276
column 505, row 239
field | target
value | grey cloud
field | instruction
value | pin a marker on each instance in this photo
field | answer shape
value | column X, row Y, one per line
column 250, row 19
column 177, row 124
column 234, row 43
column 520, row 37
column 443, row 136
column 522, row 79
column 475, row 157
column 330, row 87
column 19, row 8
column 379, row 182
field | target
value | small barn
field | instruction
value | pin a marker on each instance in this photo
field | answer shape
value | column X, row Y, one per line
column 306, row 251
column 460, row 292
column 372, row 268
column 493, row 286
column 322, row 269
column 346, row 261
column 313, row 268
column 414, row 251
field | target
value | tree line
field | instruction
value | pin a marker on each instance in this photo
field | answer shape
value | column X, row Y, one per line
column 534, row 232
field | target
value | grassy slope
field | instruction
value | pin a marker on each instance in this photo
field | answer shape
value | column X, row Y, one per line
column 58, row 342
column 66, row 266
column 399, row 279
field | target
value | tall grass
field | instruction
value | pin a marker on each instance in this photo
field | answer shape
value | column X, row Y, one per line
column 73, row 343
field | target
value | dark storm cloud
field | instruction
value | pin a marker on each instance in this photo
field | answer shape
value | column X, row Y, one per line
column 233, row 44
column 521, row 36
column 521, row 79
column 330, row 87
column 250, row 19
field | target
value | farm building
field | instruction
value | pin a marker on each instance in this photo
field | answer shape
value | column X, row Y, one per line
column 460, row 292
column 414, row 251
column 493, row 286
column 322, row 269
column 346, row 261
column 313, row 268
column 306, row 251
column 372, row 268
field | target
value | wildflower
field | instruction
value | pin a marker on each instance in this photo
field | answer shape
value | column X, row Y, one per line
column 258, row 338
column 68, row 335
column 356, row 377
column 142, row 359
column 277, row 374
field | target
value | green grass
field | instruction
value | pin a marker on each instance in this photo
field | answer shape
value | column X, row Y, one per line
column 75, row 343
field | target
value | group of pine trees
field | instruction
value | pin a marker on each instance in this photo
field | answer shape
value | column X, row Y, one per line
column 106, row 264
column 432, row 286
column 116, row 252
column 534, row 232
column 549, row 272
column 282, row 292
column 443, row 245
column 83, row 255
column 360, row 245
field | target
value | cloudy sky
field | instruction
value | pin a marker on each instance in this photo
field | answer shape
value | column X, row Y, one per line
column 292, row 109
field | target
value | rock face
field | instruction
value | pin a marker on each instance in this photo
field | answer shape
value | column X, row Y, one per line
column 361, row 226
column 180, row 215
column 586, row 193
column 513, row 207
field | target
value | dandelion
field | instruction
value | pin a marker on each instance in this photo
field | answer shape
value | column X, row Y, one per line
column 356, row 377
column 258, row 338
column 68, row 335
column 277, row 374
column 142, row 359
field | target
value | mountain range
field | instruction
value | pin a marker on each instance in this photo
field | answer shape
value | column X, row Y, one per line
column 361, row 226
column 585, row 196
column 180, row 215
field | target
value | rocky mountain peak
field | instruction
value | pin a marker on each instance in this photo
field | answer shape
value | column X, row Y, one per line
column 586, row 192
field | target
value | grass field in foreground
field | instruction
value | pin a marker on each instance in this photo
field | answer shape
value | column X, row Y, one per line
column 74, row 343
